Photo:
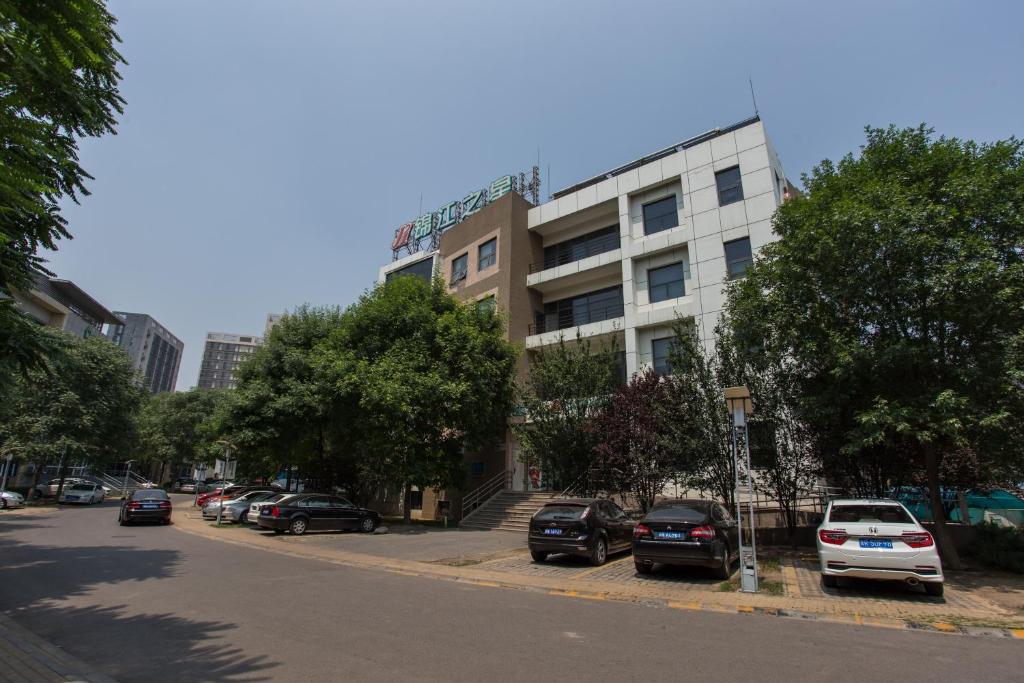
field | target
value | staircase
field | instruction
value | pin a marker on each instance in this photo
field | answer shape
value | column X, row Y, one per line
column 507, row 511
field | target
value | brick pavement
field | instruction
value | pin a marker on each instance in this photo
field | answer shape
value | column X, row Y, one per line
column 27, row 658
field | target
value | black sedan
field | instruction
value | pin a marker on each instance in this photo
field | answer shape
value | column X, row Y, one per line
column 586, row 527
column 316, row 511
column 686, row 532
column 146, row 505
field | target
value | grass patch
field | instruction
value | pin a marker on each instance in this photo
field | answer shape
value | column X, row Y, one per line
column 769, row 564
column 771, row 587
column 969, row 622
column 729, row 586
column 227, row 525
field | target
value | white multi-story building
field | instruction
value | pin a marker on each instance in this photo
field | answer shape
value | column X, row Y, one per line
column 630, row 251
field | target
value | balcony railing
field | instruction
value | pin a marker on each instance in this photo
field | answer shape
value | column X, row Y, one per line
column 569, row 318
column 593, row 247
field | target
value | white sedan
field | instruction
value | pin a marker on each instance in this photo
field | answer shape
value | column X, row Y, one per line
column 10, row 500
column 82, row 492
column 877, row 539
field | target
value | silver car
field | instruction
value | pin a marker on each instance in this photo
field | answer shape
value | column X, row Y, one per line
column 10, row 500
column 254, row 508
column 235, row 509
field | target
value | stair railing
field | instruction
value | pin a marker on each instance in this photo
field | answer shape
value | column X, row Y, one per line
column 481, row 494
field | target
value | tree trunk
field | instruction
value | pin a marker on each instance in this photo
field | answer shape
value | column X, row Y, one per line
column 61, row 475
column 35, row 478
column 407, row 503
column 948, row 552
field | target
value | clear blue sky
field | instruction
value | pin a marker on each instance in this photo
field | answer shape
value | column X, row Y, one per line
column 269, row 149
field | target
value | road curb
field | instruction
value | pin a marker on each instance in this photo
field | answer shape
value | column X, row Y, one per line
column 32, row 657
column 469, row 575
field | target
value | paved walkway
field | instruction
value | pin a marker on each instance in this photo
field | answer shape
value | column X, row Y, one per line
column 513, row 569
column 26, row 658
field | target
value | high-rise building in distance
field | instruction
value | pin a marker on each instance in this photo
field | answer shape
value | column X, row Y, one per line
column 222, row 355
column 155, row 352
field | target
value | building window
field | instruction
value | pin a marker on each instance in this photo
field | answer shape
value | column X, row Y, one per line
column 459, row 267
column 488, row 255
column 660, row 215
column 602, row 304
column 584, row 246
column 665, row 282
column 415, row 500
column 738, row 257
column 661, row 349
column 486, row 305
column 730, row 187
column 423, row 269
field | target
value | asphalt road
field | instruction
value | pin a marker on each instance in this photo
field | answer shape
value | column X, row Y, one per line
column 156, row 604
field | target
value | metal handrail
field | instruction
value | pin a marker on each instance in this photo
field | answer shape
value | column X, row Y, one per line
column 481, row 494
column 568, row 318
column 594, row 247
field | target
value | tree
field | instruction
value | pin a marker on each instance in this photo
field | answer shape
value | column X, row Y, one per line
column 420, row 377
column 178, row 428
column 568, row 385
column 633, row 453
column 895, row 292
column 84, row 409
column 58, row 83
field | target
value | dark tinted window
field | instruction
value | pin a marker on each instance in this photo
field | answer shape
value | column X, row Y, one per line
column 580, row 310
column 738, row 257
column 662, row 349
column 553, row 513
column 341, row 503
column 423, row 269
column 488, row 254
column 460, row 266
column 591, row 244
column 665, row 282
column 678, row 513
column 730, row 187
column 660, row 215
column 893, row 514
column 82, row 487
column 149, row 494
column 312, row 502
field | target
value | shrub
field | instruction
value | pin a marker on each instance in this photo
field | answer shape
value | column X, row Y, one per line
column 1000, row 547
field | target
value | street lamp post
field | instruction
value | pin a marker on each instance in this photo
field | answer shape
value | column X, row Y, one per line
column 740, row 405
column 200, row 476
column 127, row 473
column 227, row 461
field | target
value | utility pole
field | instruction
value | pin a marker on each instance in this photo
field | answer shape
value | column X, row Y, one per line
column 127, row 472
column 740, row 405
column 227, row 461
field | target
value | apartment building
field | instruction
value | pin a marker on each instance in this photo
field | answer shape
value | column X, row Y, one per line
column 222, row 355
column 62, row 304
column 618, row 257
column 155, row 352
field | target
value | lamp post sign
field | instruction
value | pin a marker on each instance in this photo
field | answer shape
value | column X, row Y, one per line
column 740, row 405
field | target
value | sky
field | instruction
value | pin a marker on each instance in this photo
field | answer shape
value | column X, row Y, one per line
column 268, row 150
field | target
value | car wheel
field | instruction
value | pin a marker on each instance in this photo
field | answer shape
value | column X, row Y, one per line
column 367, row 525
column 298, row 526
column 539, row 556
column 644, row 567
column 829, row 581
column 122, row 521
column 724, row 570
column 599, row 554
column 933, row 589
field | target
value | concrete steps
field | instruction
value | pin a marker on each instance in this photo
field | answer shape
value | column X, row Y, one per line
column 507, row 511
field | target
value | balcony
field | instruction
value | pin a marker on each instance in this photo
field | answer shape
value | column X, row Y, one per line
column 589, row 258
column 585, row 309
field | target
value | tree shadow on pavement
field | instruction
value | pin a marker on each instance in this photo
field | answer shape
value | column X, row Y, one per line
column 148, row 647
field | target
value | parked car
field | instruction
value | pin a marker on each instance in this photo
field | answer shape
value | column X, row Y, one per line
column 185, row 486
column 688, row 532
column 312, row 511
column 49, row 489
column 587, row 527
column 227, row 493
column 10, row 500
column 234, row 506
column 877, row 538
column 151, row 505
column 86, row 492
column 253, row 516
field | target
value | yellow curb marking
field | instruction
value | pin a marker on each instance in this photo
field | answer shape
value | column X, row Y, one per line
column 858, row 619
column 942, row 626
column 744, row 608
column 685, row 605
column 790, row 580
column 577, row 594
column 1017, row 632
column 489, row 584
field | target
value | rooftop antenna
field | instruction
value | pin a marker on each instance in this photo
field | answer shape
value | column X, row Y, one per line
column 753, row 99
column 549, row 181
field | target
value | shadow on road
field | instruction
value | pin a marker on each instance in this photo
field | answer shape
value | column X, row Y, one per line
column 36, row 578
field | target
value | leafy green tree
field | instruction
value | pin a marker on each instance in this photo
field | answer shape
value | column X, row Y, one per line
column 895, row 291
column 58, row 83
column 84, row 410
column 419, row 377
column 179, row 428
column 568, row 385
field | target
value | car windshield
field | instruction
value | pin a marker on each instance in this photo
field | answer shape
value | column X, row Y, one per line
column 561, row 512
column 680, row 513
column 82, row 487
column 149, row 494
column 890, row 514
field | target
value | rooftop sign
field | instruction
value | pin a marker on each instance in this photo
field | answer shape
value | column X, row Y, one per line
column 425, row 231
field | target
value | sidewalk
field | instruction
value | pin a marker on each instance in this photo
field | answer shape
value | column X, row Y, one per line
column 27, row 658
column 959, row 611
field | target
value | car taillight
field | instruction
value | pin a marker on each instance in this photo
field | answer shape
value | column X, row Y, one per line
column 833, row 537
column 133, row 505
column 275, row 511
column 917, row 539
column 165, row 503
column 641, row 531
column 705, row 532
